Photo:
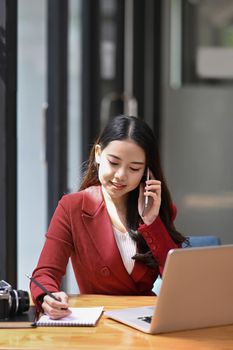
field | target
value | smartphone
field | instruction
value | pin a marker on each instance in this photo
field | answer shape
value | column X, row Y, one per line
column 146, row 197
column 146, row 200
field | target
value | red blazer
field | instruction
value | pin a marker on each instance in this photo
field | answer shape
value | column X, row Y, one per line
column 81, row 229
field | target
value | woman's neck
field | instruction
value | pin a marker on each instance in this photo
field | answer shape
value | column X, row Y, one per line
column 117, row 211
column 120, row 203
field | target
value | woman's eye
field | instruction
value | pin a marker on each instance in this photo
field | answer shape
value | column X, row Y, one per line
column 112, row 163
column 133, row 169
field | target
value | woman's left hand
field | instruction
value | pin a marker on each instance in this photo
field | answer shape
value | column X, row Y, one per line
column 152, row 189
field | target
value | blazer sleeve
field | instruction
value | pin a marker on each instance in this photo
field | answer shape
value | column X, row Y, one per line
column 55, row 254
column 158, row 240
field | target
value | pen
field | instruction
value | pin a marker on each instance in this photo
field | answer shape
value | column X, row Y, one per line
column 42, row 287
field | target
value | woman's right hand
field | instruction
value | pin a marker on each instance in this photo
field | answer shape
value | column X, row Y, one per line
column 56, row 309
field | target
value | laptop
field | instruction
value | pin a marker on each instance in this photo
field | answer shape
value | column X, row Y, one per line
column 197, row 292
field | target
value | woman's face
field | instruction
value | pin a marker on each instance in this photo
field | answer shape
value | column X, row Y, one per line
column 121, row 167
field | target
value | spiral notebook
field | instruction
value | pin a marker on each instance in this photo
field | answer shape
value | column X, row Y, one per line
column 80, row 317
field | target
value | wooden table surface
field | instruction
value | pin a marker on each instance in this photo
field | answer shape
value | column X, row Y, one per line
column 109, row 334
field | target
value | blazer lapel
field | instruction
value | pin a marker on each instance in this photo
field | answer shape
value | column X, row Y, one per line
column 99, row 227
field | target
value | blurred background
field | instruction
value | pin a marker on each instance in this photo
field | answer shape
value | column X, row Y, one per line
column 67, row 66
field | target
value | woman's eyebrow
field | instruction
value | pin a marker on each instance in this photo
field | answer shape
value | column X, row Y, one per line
column 118, row 158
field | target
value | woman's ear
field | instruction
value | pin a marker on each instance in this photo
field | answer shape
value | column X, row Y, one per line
column 97, row 153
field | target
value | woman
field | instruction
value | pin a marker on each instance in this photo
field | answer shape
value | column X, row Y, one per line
column 116, row 245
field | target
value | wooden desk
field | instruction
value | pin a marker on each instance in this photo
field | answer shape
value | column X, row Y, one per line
column 112, row 335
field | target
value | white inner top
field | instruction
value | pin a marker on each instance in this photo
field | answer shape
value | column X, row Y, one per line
column 127, row 247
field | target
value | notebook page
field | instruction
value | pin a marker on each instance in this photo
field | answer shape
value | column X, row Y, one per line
column 80, row 316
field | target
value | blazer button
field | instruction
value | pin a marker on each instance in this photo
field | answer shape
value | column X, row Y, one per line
column 105, row 271
column 149, row 240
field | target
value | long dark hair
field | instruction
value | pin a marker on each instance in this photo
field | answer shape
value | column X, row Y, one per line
column 128, row 127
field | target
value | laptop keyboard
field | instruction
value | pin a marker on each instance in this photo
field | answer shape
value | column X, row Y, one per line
column 145, row 318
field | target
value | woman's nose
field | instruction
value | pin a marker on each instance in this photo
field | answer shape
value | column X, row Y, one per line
column 120, row 174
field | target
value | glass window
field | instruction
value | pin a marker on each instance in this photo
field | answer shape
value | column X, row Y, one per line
column 74, row 112
column 32, row 97
column 201, row 42
column 31, row 162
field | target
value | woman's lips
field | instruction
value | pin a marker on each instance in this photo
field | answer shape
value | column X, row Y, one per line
column 118, row 186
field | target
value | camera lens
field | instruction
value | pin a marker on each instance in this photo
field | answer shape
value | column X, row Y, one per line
column 23, row 301
column 4, row 309
column 19, row 302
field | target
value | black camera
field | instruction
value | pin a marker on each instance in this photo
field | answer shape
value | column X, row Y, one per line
column 12, row 302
